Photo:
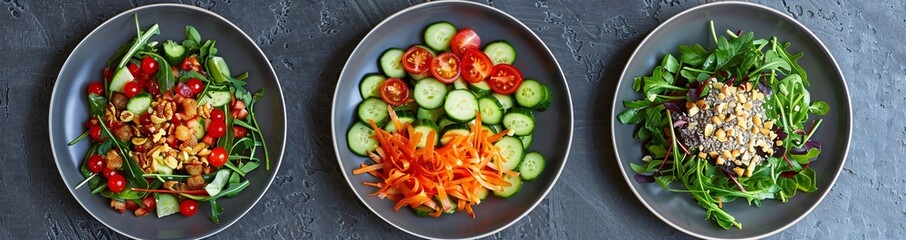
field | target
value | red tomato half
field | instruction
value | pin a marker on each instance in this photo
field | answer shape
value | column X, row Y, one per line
column 445, row 67
column 476, row 66
column 463, row 40
column 416, row 60
column 395, row 92
column 505, row 79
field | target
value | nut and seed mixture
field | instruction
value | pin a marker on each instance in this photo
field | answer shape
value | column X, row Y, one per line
column 728, row 126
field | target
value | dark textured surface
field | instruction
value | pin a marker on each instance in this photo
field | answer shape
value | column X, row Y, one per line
column 308, row 42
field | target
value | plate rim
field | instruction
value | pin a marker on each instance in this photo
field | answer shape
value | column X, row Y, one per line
column 200, row 10
column 417, row 7
column 796, row 24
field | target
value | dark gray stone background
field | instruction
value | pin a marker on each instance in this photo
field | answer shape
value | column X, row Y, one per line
column 308, row 42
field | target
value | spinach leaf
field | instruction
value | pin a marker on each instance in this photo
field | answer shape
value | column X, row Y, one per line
column 192, row 34
column 819, row 108
column 216, row 210
column 96, row 104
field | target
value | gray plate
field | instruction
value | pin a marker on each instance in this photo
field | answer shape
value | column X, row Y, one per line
column 553, row 134
column 827, row 83
column 69, row 109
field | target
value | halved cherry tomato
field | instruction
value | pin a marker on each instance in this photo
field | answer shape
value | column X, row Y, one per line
column 416, row 60
column 239, row 132
column 188, row 207
column 149, row 66
column 218, row 157
column 445, row 67
column 476, row 66
column 131, row 89
column 463, row 40
column 96, row 88
column 116, row 183
column 505, row 79
column 395, row 92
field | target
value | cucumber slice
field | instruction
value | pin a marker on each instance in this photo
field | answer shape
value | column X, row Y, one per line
column 520, row 120
column 360, row 139
column 515, row 186
column 120, row 79
column 405, row 116
column 199, row 128
column 532, row 166
column 429, row 93
column 500, row 52
column 174, row 53
column 373, row 109
column 460, row 84
column 512, row 150
column 491, row 110
column 452, row 131
column 425, row 126
column 371, row 85
column 139, row 104
column 216, row 98
column 450, row 202
column 429, row 114
column 166, row 204
column 439, row 34
column 480, row 89
column 482, row 192
column 505, row 100
column 527, row 140
column 532, row 94
column 411, row 106
column 392, row 63
column 496, row 127
column 219, row 69
column 461, row 105
column 422, row 210
column 417, row 77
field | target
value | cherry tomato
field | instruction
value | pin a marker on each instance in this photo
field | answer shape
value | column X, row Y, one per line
column 216, row 129
column 95, row 133
column 505, row 79
column 116, row 183
column 131, row 205
column 395, row 92
column 445, row 67
column 184, row 90
column 239, row 132
column 145, row 118
column 108, row 73
column 149, row 66
column 218, row 157
column 110, row 173
column 196, row 85
column 131, row 89
column 149, row 202
column 96, row 163
column 416, row 60
column 463, row 40
column 96, row 88
column 217, row 115
column 134, row 69
column 188, row 207
column 476, row 66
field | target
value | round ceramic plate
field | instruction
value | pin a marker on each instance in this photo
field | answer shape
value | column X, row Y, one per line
column 827, row 83
column 553, row 134
column 69, row 109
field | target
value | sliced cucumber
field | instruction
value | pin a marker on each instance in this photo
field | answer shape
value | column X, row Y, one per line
column 360, row 139
column 139, row 104
column 411, row 106
column 392, row 63
column 425, row 126
column 199, row 128
column 452, row 131
column 532, row 166
column 422, row 210
column 527, row 140
column 520, row 120
column 461, row 105
column 534, row 95
column 371, row 85
column 439, row 34
column 174, row 53
column 500, row 52
column 219, row 69
column 216, row 98
column 120, row 79
column 373, row 109
column 450, row 202
column 480, row 88
column 482, row 192
column 166, row 204
column 460, row 84
column 417, row 77
column 491, row 110
column 429, row 93
column 505, row 100
column 432, row 115
column 496, row 127
column 515, row 186
column 512, row 150
column 404, row 116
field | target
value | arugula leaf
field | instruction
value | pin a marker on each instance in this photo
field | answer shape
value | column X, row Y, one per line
column 694, row 55
column 819, row 108
column 192, row 34
column 96, row 104
column 153, row 30
column 670, row 64
column 216, row 210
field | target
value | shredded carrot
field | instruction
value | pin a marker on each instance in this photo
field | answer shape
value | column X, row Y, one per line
column 433, row 176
